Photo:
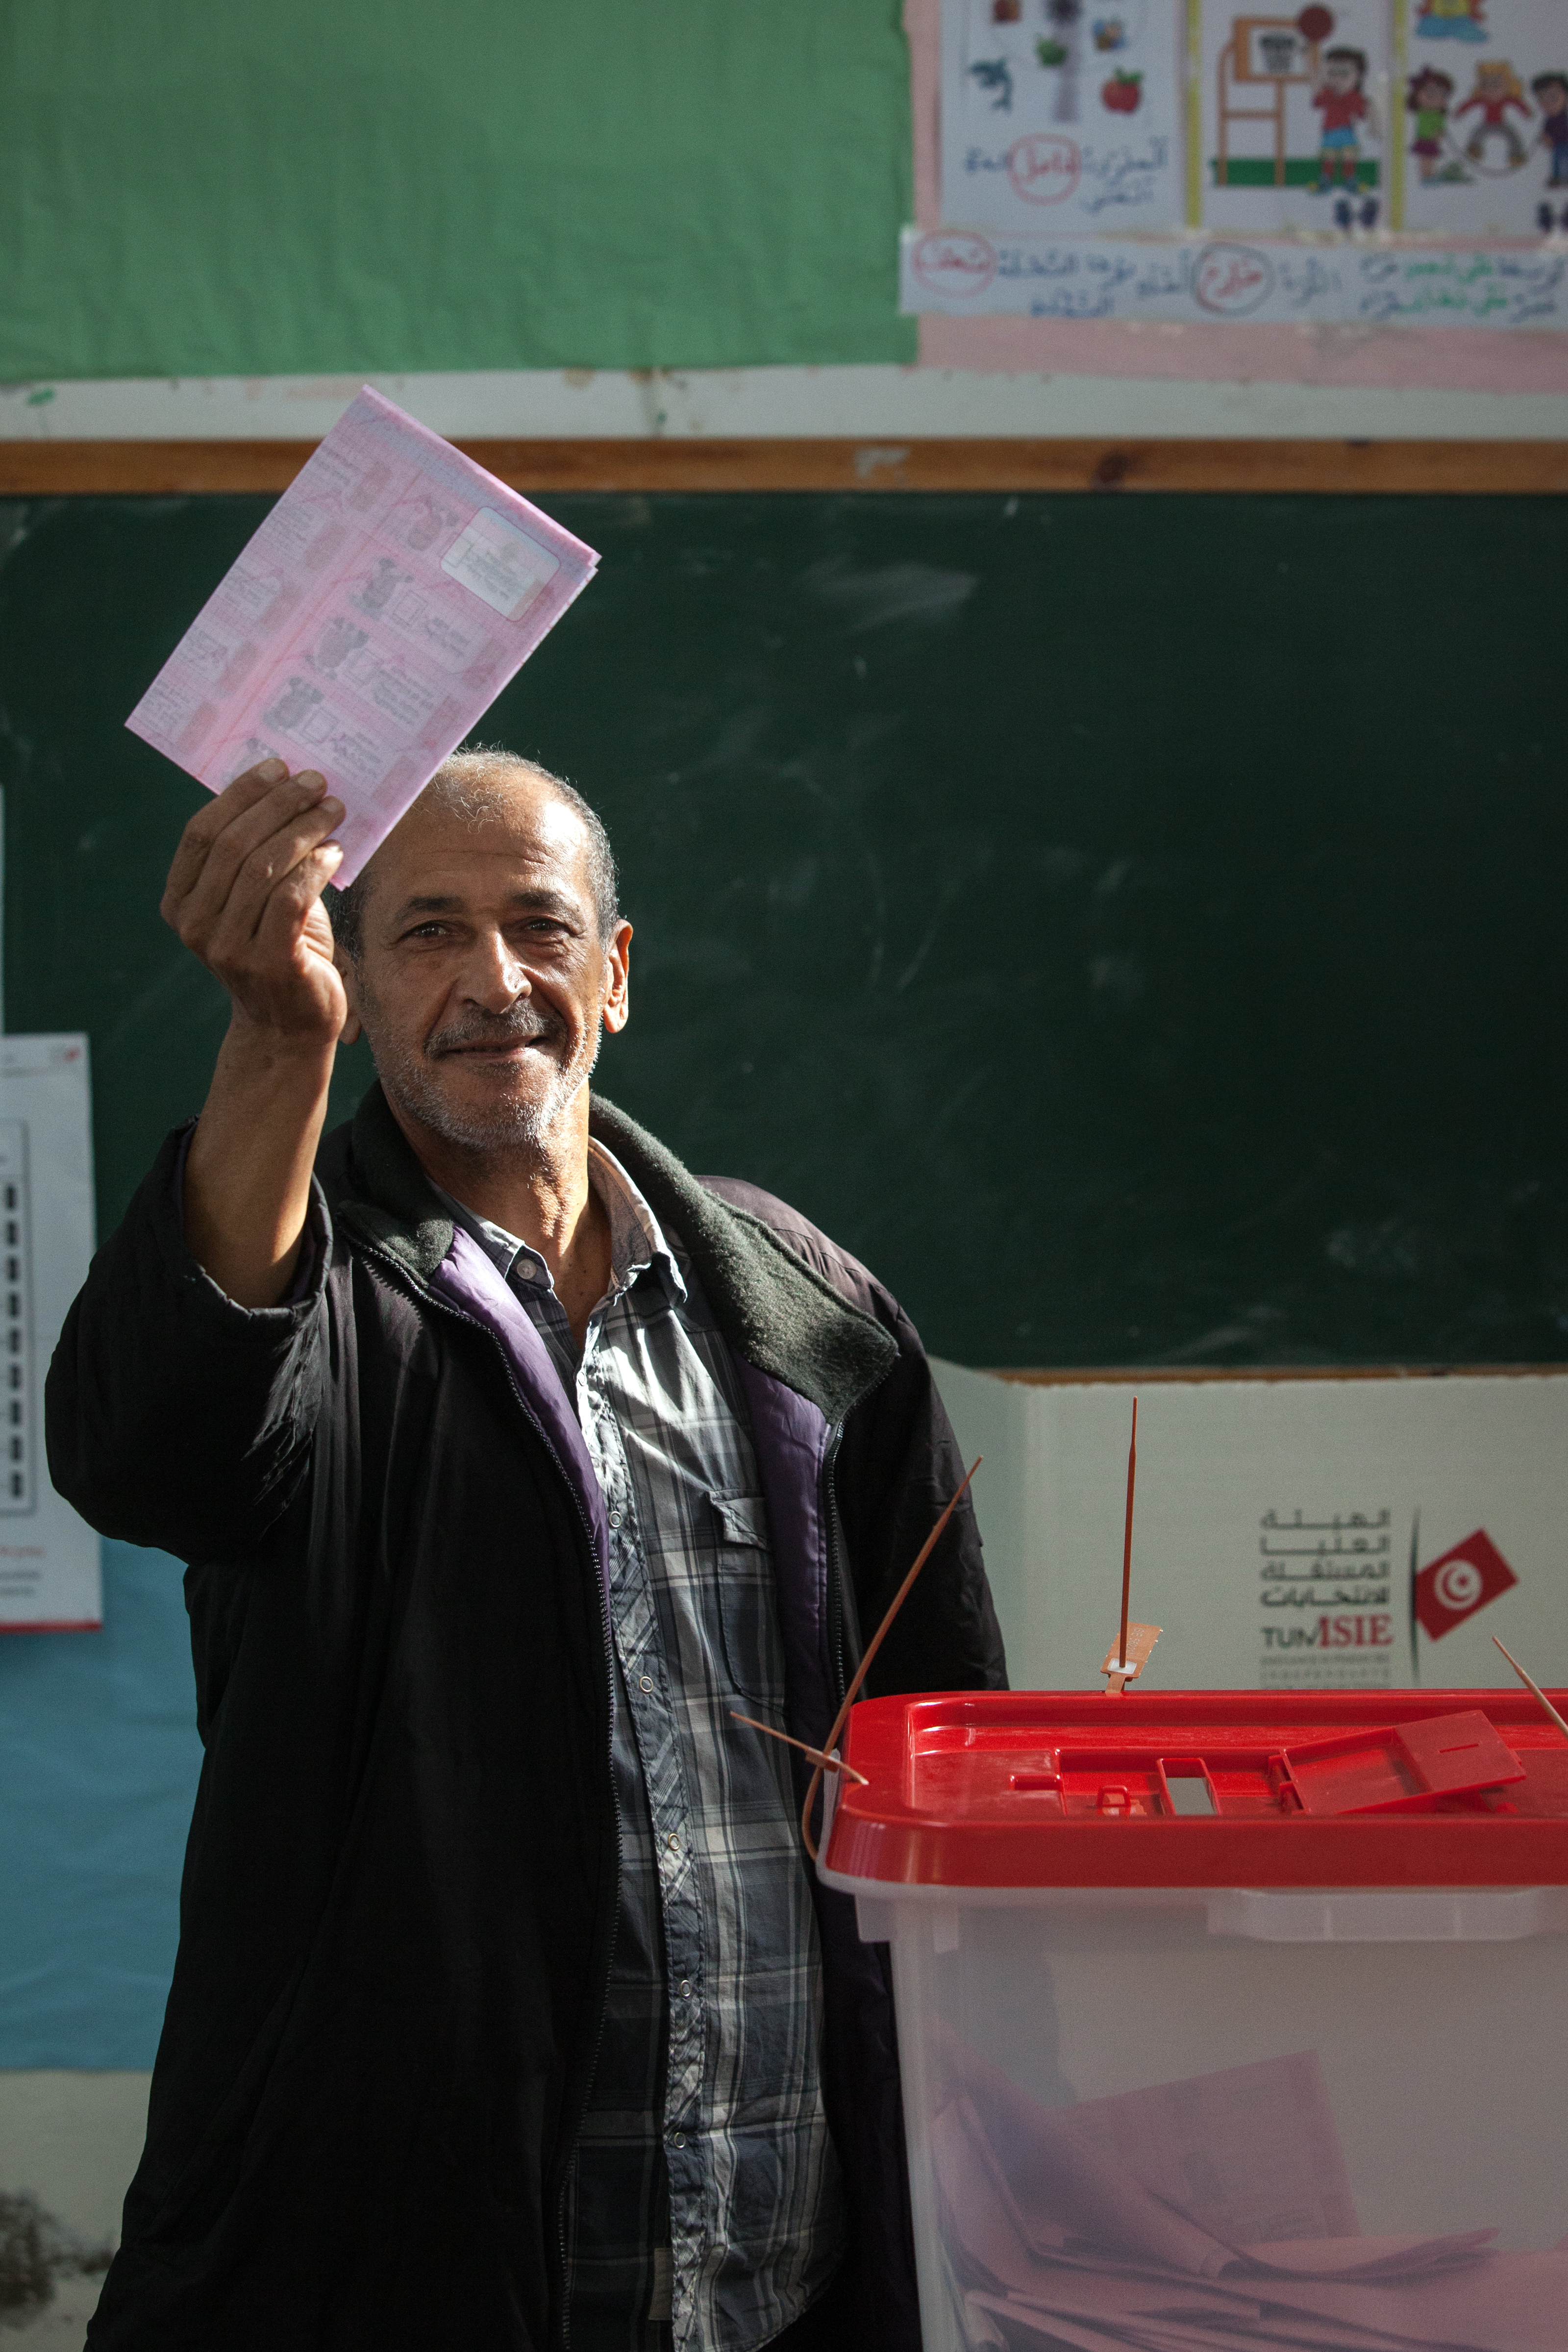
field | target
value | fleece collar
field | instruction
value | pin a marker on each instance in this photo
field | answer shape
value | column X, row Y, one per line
column 775, row 1310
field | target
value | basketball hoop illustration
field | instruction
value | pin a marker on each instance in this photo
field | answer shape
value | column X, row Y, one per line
column 1257, row 66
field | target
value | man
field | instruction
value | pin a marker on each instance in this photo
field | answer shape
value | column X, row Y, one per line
column 509, row 1461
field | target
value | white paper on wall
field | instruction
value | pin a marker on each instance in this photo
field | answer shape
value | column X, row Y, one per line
column 1062, row 120
column 1290, row 1534
column 1261, row 280
column 49, row 1574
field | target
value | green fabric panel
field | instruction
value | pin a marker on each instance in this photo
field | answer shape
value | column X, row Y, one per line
column 377, row 186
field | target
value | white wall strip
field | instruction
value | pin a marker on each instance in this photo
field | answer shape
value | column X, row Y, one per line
column 775, row 402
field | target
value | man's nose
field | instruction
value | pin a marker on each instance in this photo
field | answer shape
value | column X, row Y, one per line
column 493, row 976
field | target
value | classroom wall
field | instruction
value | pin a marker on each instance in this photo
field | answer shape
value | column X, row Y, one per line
column 224, row 220
column 490, row 183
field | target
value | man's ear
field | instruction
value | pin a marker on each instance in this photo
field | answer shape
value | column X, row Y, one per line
column 618, row 980
column 352, row 1029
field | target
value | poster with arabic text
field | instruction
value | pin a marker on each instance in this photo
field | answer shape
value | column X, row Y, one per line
column 1059, row 118
column 1309, row 163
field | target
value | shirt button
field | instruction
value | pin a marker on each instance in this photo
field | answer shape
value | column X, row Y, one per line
column 524, row 1269
column 677, row 2139
column 686, row 1988
column 672, row 1842
column 644, row 1682
column 615, row 1518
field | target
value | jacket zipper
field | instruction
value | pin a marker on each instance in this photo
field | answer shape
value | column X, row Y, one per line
column 457, row 1315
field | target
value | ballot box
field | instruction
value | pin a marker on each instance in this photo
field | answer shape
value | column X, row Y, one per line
column 1229, row 2019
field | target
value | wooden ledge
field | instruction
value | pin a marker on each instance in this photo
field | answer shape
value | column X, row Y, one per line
column 49, row 468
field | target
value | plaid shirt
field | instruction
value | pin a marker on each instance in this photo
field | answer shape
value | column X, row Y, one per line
column 705, row 2207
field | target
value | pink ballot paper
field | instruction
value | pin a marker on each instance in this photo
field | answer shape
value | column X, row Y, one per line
column 388, row 597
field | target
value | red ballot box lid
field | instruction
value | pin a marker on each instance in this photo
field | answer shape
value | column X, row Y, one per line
column 1402, row 1767
column 1203, row 1788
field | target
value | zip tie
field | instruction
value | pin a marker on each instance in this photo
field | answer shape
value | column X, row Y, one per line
column 824, row 1762
column 1534, row 1686
column 872, row 1646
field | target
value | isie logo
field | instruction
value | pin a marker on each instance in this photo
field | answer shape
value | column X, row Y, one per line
column 1448, row 1590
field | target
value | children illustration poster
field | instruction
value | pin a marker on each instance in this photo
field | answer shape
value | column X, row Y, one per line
column 1063, row 116
column 1484, row 117
column 1398, row 162
column 1295, row 116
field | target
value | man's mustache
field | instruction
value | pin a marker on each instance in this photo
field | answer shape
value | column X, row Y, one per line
column 478, row 1027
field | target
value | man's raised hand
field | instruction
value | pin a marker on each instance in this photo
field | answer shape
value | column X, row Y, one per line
column 244, row 894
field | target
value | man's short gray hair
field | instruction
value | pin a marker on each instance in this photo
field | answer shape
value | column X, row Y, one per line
column 473, row 783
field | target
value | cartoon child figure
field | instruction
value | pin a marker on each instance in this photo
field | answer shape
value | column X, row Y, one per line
column 1459, row 20
column 1428, row 96
column 1498, row 88
column 1340, row 99
column 1550, row 91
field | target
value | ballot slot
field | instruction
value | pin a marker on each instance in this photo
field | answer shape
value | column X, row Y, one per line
column 1450, row 1764
column 1189, row 1792
column 1138, row 1783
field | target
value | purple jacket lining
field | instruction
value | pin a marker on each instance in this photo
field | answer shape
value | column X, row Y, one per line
column 473, row 1282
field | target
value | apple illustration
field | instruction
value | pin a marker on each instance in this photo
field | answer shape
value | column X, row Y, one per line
column 1123, row 93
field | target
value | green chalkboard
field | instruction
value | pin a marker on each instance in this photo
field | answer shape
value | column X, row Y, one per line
column 1136, row 927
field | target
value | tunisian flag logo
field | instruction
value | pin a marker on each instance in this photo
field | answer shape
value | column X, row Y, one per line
column 1449, row 1589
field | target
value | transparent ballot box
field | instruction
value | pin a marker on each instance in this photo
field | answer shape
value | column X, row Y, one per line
column 1227, row 2019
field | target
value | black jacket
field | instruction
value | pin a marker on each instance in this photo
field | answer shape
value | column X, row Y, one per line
column 400, row 1885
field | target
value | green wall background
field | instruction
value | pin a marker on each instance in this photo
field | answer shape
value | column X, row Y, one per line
column 378, row 185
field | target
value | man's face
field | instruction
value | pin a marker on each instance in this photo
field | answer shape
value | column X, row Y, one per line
column 1554, row 98
column 1340, row 74
column 483, row 983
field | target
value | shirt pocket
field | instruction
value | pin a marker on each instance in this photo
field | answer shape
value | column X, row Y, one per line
column 748, row 1604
